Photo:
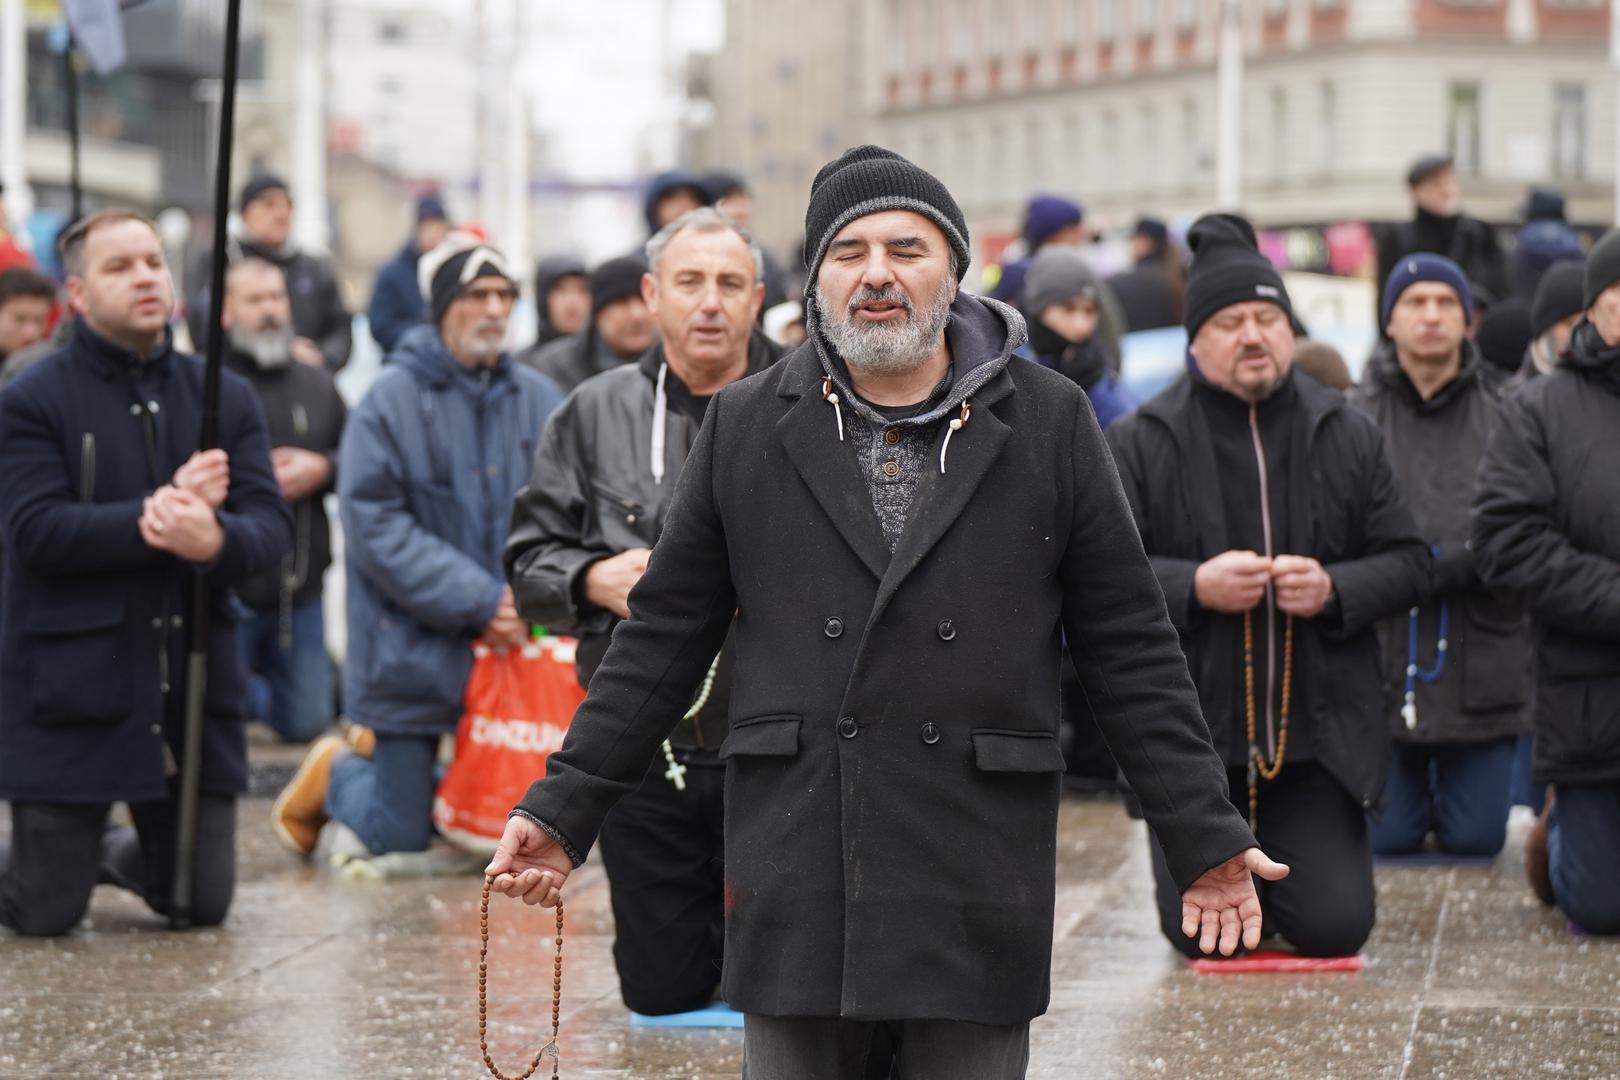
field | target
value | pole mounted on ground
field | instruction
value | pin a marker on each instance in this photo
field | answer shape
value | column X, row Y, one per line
column 197, row 658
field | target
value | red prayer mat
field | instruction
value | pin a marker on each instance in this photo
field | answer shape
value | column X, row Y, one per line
column 1274, row 962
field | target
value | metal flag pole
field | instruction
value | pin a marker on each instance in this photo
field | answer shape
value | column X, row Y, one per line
column 197, row 660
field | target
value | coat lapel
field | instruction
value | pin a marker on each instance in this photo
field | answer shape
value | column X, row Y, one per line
column 941, row 497
column 809, row 433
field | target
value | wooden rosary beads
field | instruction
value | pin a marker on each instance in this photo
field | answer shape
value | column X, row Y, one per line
column 550, row 1049
column 1259, row 767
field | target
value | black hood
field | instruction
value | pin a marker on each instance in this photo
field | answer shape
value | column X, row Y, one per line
column 1592, row 356
column 549, row 271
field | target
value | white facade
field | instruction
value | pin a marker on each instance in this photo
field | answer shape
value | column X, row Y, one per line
column 404, row 84
column 1113, row 102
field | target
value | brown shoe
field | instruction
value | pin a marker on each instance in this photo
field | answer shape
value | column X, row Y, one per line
column 362, row 740
column 300, row 809
column 1536, row 863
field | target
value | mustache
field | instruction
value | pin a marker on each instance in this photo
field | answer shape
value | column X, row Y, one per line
column 892, row 294
column 490, row 326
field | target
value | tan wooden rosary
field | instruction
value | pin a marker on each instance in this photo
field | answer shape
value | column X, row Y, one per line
column 550, row 1049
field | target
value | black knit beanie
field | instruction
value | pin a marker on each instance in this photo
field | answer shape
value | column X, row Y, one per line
column 615, row 280
column 1227, row 268
column 1602, row 266
column 259, row 185
column 1559, row 295
column 868, row 180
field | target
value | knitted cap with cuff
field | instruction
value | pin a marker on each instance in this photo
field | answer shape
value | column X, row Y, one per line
column 443, row 273
column 616, row 279
column 1425, row 266
column 869, row 180
column 1227, row 269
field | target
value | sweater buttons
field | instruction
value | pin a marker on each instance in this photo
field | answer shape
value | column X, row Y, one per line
column 848, row 728
column 892, row 436
column 891, row 469
column 947, row 631
column 834, row 628
column 930, row 733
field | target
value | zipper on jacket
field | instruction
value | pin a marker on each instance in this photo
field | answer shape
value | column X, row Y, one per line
column 1271, row 597
column 87, row 468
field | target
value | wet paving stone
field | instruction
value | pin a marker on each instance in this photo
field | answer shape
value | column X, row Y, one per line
column 317, row 977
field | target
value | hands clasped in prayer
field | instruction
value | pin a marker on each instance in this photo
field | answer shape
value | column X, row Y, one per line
column 1235, row 581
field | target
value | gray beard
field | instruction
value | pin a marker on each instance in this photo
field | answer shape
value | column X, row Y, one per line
column 883, row 349
column 270, row 350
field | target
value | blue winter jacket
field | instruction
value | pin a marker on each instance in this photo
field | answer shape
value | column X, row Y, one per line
column 96, row 622
column 396, row 299
column 430, row 462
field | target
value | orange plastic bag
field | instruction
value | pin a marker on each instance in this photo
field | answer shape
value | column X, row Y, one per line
column 518, row 706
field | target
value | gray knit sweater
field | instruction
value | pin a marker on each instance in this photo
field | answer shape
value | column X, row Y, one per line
column 982, row 334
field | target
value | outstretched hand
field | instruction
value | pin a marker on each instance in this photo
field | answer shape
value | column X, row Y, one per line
column 1223, row 904
column 529, row 864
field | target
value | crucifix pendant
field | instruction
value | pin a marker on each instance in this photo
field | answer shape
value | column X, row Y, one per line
column 676, row 773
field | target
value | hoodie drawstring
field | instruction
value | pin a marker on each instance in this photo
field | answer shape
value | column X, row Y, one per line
column 660, row 409
column 957, row 424
column 830, row 396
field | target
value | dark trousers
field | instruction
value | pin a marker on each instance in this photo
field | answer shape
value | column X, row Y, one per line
column 1583, row 850
column 664, row 853
column 826, row 1048
column 60, row 851
column 1461, row 792
column 1325, row 906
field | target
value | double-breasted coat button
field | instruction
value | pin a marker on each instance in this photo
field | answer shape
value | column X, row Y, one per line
column 930, row 733
column 834, row 628
column 946, row 630
column 847, row 727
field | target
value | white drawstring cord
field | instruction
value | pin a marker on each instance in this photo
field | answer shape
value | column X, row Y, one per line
column 956, row 425
column 831, row 397
column 660, row 408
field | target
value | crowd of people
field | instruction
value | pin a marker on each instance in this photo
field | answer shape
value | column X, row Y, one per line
column 859, row 565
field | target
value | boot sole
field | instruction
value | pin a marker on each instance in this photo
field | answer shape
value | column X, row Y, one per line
column 278, row 808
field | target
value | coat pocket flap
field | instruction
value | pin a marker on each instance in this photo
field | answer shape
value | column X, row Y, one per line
column 76, row 618
column 1017, row 751
column 766, row 736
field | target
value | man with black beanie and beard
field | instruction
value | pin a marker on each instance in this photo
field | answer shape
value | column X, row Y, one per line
column 903, row 520
column 284, row 636
column 1269, row 511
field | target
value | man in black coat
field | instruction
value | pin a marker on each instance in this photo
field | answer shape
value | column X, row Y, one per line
column 284, row 633
column 1149, row 293
column 1458, row 664
column 905, row 522
column 323, row 326
column 1547, row 526
column 601, row 491
column 1439, row 226
column 111, row 519
column 1270, row 513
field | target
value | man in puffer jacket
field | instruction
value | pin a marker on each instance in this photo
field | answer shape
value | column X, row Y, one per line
column 429, row 463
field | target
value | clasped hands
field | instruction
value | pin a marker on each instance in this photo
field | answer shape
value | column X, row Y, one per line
column 1233, row 582
column 179, row 517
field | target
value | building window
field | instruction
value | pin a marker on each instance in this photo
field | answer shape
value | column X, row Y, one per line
column 1327, row 125
column 1068, row 21
column 1107, row 19
column 962, row 32
column 1035, row 147
column 391, row 30
column 1109, row 145
column 1187, row 14
column 1464, row 127
column 1148, row 163
column 1147, row 17
column 1034, row 25
column 1191, row 141
column 1569, row 131
column 1276, row 9
column 1279, row 134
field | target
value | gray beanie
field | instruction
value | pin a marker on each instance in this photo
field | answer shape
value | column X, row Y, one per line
column 1057, row 274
